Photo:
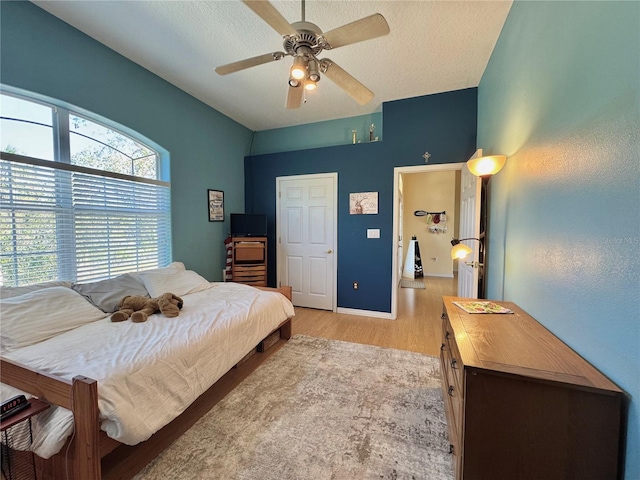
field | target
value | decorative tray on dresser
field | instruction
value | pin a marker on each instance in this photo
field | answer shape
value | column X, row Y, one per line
column 521, row 404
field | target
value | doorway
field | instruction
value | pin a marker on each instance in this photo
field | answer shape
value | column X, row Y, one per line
column 306, row 225
column 400, row 195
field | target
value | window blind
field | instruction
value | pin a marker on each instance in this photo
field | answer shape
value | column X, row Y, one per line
column 67, row 224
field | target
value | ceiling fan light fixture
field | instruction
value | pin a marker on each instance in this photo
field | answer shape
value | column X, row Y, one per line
column 297, row 73
column 299, row 68
column 314, row 75
column 305, row 41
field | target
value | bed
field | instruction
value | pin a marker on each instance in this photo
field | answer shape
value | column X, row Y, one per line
column 114, row 384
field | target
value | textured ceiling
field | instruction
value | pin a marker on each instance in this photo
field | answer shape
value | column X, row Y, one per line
column 434, row 46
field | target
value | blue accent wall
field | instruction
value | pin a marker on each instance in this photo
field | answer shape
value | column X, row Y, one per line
column 443, row 124
column 561, row 98
column 43, row 55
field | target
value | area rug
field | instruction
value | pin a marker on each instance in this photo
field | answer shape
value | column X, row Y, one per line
column 409, row 283
column 321, row 409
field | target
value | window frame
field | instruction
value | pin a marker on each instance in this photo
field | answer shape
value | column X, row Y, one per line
column 61, row 135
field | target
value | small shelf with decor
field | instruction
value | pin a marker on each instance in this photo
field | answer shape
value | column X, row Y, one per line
column 249, row 260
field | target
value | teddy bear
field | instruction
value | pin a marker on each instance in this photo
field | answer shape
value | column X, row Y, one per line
column 139, row 308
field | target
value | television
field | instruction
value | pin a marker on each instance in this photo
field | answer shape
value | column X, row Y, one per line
column 248, row 225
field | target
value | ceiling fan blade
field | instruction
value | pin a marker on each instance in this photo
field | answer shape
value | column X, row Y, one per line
column 294, row 97
column 273, row 17
column 340, row 77
column 249, row 62
column 364, row 29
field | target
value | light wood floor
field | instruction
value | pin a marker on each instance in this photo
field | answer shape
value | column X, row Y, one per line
column 416, row 329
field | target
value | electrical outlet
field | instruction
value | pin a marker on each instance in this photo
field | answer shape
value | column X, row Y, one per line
column 355, row 285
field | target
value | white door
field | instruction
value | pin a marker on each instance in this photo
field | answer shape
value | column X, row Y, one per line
column 470, row 186
column 400, row 245
column 306, row 226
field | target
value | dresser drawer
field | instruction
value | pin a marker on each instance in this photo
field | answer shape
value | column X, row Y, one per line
column 452, row 409
column 455, row 363
column 453, row 397
column 249, row 252
column 453, row 390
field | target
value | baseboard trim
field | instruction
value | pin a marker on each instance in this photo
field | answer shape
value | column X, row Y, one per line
column 365, row 313
column 441, row 275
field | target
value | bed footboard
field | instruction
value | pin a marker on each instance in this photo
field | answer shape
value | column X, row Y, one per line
column 81, row 397
column 285, row 327
column 284, row 290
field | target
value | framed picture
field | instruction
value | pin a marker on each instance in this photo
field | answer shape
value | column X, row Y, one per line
column 216, row 205
column 363, row 203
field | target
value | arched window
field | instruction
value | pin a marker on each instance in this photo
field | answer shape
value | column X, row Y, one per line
column 80, row 200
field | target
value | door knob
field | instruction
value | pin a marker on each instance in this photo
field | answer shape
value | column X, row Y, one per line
column 329, row 251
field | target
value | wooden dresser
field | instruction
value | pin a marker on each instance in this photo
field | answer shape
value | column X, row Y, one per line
column 521, row 404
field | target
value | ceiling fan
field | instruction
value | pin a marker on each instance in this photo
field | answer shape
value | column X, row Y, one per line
column 304, row 41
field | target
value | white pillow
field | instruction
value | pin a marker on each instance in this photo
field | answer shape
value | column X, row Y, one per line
column 175, row 266
column 37, row 316
column 8, row 292
column 174, row 281
column 179, row 266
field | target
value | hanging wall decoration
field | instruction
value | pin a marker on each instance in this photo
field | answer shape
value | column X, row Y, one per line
column 436, row 221
column 363, row 203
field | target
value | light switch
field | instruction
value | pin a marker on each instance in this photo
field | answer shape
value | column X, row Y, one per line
column 373, row 233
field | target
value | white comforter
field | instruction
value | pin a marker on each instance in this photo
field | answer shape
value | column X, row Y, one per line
column 148, row 373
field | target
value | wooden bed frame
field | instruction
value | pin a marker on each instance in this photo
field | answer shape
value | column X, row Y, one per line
column 89, row 454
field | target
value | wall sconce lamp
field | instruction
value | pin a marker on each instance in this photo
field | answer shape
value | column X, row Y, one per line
column 485, row 167
column 460, row 251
